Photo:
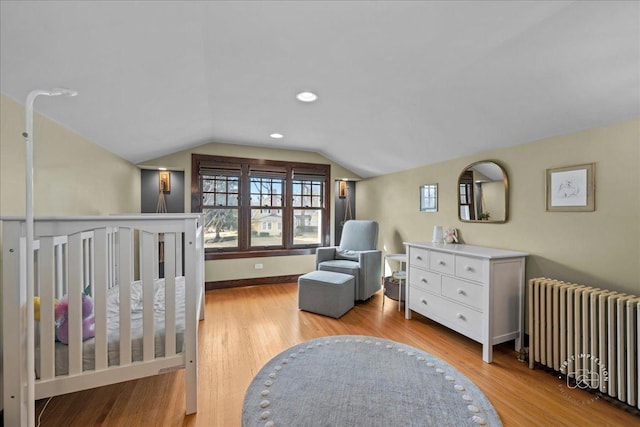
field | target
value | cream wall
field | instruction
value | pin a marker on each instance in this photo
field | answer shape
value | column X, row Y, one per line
column 72, row 175
column 600, row 248
column 244, row 268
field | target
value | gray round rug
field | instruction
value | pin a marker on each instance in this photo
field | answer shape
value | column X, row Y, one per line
column 353, row 380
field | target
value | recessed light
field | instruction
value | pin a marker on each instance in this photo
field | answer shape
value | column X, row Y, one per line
column 307, row 96
column 162, row 169
column 276, row 136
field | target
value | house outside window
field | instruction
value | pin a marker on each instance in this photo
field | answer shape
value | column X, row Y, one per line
column 255, row 207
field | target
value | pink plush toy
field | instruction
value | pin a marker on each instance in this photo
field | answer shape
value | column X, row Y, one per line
column 451, row 235
column 88, row 321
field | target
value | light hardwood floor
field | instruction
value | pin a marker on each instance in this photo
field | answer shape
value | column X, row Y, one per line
column 245, row 327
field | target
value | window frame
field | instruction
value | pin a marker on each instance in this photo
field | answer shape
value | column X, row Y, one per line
column 244, row 165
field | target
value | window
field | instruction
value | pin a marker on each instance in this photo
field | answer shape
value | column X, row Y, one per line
column 221, row 208
column 308, row 202
column 259, row 207
column 266, row 187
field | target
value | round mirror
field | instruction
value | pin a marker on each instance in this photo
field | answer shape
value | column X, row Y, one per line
column 483, row 193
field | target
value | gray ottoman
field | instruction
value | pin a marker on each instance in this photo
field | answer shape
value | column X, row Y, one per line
column 326, row 292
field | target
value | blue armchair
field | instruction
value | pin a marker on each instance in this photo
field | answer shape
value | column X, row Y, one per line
column 357, row 255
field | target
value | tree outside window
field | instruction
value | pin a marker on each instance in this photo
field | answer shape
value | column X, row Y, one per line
column 255, row 205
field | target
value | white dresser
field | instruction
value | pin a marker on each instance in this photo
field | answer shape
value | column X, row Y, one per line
column 473, row 290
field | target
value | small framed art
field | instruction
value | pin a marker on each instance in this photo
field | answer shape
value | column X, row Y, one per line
column 342, row 190
column 429, row 198
column 165, row 181
column 571, row 189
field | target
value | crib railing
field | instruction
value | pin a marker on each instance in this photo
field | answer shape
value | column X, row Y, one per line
column 91, row 255
column 62, row 262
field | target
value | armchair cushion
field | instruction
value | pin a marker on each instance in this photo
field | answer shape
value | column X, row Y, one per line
column 340, row 263
column 347, row 254
column 358, row 236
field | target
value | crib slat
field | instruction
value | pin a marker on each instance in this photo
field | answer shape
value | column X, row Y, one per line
column 192, row 292
column 170, row 293
column 148, row 249
column 111, row 258
column 125, row 280
column 200, row 270
column 60, row 271
column 46, row 266
column 101, row 267
column 86, row 255
column 74, row 295
column 178, row 258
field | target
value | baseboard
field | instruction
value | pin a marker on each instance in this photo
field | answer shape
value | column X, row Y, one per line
column 239, row 283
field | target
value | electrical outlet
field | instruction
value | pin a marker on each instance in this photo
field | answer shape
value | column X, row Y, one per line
column 258, row 266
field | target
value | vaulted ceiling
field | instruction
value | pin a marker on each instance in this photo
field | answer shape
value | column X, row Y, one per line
column 400, row 83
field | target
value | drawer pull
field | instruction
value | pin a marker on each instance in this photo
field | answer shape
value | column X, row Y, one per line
column 461, row 316
column 418, row 257
column 424, row 301
column 441, row 262
column 469, row 268
column 424, row 280
column 461, row 292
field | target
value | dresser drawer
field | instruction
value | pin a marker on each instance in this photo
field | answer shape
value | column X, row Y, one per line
column 461, row 291
column 470, row 268
column 418, row 257
column 441, row 262
column 457, row 317
column 424, row 280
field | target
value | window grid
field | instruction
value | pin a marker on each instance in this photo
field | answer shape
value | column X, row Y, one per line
column 269, row 209
column 266, row 191
column 219, row 191
column 308, row 194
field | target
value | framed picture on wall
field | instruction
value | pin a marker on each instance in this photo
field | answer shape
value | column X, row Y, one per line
column 165, row 181
column 342, row 189
column 429, row 198
column 571, row 189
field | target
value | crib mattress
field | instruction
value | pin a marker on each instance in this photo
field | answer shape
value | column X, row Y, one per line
column 113, row 329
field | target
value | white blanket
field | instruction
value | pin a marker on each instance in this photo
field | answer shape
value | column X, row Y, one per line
column 113, row 329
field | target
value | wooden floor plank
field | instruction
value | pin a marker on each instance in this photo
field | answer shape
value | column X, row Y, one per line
column 246, row 327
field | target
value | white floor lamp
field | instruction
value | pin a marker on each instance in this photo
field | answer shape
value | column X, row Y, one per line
column 29, row 243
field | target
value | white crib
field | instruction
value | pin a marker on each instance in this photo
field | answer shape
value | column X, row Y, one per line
column 146, row 276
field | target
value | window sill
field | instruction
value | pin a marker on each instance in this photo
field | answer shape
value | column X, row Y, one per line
column 208, row 256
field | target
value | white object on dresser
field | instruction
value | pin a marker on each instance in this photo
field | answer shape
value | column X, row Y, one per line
column 474, row 290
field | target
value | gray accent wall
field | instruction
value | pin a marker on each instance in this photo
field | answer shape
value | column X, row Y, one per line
column 341, row 207
column 150, row 191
